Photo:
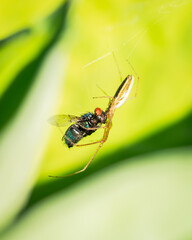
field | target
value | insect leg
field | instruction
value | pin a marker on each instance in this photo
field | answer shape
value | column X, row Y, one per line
column 72, row 143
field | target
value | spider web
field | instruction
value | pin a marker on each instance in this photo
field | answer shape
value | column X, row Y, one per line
column 138, row 37
column 104, row 72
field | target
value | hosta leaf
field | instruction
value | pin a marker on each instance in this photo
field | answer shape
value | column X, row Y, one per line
column 147, row 198
column 24, row 137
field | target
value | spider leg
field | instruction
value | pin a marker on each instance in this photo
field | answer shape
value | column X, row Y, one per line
column 83, row 169
column 102, row 90
column 82, row 145
column 92, row 128
column 117, row 65
column 105, row 136
column 104, row 139
column 87, row 144
column 103, row 97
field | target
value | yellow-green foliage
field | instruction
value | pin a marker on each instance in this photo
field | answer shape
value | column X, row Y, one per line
column 53, row 55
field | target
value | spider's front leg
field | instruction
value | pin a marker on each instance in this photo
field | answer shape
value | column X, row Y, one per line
column 102, row 141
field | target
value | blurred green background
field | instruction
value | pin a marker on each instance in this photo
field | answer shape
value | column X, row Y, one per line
column 53, row 55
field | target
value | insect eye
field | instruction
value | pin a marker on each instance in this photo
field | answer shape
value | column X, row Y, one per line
column 98, row 111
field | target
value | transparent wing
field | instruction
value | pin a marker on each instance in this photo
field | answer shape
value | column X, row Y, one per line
column 62, row 120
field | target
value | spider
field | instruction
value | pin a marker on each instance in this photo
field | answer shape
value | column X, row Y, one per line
column 89, row 122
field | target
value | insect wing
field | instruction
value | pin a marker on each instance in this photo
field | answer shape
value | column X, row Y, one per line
column 62, row 120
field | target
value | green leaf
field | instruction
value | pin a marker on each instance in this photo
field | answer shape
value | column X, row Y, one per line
column 142, row 193
column 25, row 107
column 20, row 14
column 148, row 197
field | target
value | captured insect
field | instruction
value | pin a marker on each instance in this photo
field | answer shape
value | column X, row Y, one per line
column 88, row 123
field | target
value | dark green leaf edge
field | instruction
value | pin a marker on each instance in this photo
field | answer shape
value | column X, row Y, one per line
column 20, row 86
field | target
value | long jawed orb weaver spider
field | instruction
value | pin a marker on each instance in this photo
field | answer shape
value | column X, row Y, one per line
column 90, row 122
